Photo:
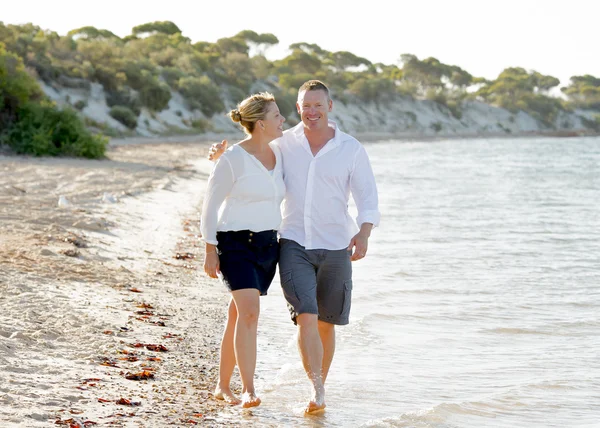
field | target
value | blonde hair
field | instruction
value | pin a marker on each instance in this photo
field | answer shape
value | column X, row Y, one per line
column 251, row 110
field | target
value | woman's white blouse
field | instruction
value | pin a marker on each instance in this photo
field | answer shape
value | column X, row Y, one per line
column 242, row 195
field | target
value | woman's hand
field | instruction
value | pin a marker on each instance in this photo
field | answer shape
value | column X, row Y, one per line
column 211, row 264
column 211, row 261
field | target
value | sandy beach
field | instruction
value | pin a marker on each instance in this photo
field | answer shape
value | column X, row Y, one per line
column 107, row 317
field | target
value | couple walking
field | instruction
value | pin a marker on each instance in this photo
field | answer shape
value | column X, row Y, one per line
column 312, row 168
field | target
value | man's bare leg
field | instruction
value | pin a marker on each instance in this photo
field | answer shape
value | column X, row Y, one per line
column 248, row 307
column 227, row 359
column 327, row 334
column 311, row 352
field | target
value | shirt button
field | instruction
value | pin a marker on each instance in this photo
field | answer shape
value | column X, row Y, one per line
column 251, row 234
column 249, row 240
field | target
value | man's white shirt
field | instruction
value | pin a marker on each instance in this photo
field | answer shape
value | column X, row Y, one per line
column 315, row 208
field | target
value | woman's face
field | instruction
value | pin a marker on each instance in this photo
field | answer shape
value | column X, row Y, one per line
column 273, row 122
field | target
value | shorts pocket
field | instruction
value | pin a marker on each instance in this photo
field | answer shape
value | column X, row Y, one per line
column 347, row 296
column 289, row 291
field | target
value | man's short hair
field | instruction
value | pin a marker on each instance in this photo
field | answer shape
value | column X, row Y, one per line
column 314, row 85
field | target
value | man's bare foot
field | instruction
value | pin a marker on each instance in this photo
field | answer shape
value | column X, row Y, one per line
column 317, row 403
column 314, row 407
column 226, row 395
column 249, row 399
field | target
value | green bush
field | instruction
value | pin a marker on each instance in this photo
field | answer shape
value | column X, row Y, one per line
column 31, row 125
column 234, row 69
column 236, row 94
column 372, row 89
column 16, row 86
column 165, row 27
column 171, row 75
column 124, row 97
column 455, row 108
column 202, row 93
column 286, row 101
column 108, row 78
column 124, row 115
column 137, row 73
column 201, row 125
column 155, row 95
column 411, row 115
column 72, row 82
column 408, row 89
column 543, row 108
column 42, row 129
column 593, row 123
column 80, row 104
column 437, row 96
column 294, row 81
column 43, row 66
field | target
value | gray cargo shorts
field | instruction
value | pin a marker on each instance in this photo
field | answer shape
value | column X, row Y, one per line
column 316, row 281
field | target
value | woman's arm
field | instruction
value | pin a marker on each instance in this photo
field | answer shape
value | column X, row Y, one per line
column 219, row 186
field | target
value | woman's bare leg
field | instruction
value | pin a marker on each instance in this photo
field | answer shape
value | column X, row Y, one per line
column 227, row 358
column 248, row 308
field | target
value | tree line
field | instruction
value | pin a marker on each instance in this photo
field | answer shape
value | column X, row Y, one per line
column 145, row 67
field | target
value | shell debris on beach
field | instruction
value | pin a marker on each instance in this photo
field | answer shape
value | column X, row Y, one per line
column 107, row 317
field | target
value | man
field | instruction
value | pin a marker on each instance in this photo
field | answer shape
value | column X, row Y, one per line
column 318, row 238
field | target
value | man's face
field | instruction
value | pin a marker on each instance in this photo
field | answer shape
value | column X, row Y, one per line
column 313, row 107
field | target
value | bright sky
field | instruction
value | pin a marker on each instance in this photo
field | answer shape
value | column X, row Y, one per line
column 555, row 37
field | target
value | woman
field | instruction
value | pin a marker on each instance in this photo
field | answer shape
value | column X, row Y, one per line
column 241, row 235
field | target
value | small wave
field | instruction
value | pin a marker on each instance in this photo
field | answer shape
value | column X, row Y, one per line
column 563, row 328
column 438, row 416
column 436, row 291
column 555, row 385
column 515, row 330
column 377, row 317
column 360, row 332
column 582, row 304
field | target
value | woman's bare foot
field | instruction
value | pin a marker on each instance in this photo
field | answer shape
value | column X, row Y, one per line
column 249, row 399
column 226, row 395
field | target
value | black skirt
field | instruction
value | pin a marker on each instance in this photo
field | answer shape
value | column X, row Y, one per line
column 248, row 259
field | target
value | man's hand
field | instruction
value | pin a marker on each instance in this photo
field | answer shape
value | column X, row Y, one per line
column 216, row 150
column 360, row 242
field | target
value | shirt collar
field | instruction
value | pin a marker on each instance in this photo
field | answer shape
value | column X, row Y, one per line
column 300, row 137
column 298, row 130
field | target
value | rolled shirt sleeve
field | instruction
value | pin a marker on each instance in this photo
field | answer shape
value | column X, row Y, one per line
column 219, row 186
column 364, row 190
